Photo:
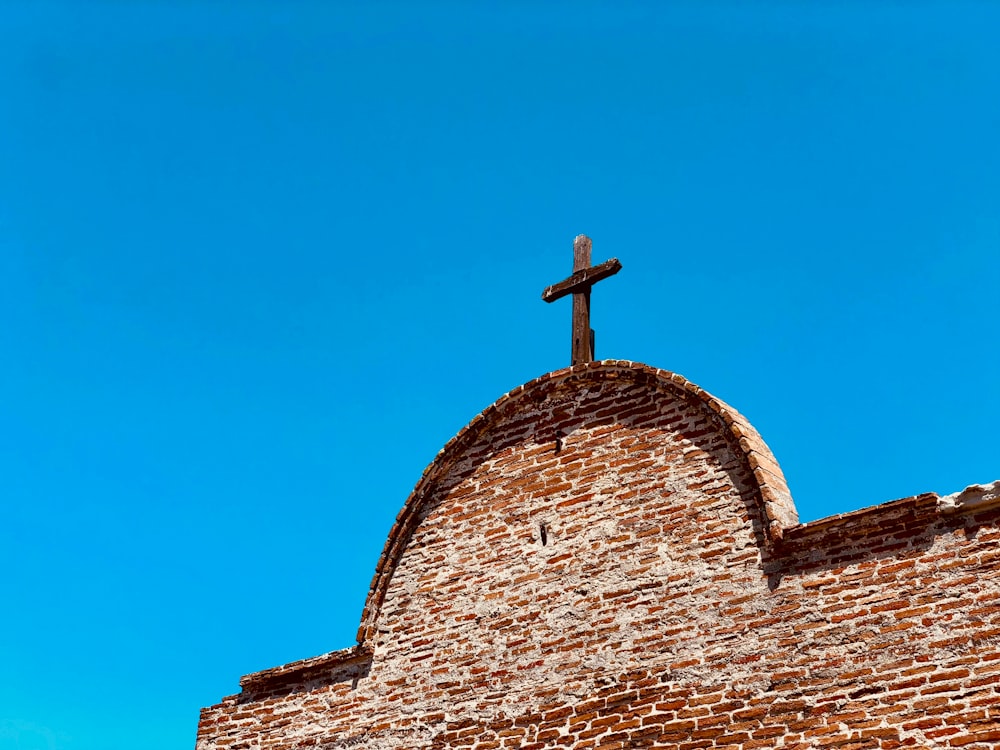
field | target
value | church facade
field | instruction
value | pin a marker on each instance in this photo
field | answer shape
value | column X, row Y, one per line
column 608, row 557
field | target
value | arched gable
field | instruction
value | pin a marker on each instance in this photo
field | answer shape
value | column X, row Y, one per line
column 768, row 492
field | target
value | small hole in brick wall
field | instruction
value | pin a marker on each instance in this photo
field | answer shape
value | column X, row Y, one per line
column 543, row 534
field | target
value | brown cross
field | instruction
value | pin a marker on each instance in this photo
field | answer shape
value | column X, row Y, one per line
column 584, row 276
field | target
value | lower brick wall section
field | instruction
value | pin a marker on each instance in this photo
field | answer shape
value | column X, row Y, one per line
column 601, row 565
column 917, row 706
column 642, row 710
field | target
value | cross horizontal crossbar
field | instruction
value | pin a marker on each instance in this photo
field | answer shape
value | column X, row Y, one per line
column 581, row 280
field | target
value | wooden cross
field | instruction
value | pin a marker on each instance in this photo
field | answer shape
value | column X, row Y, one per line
column 584, row 276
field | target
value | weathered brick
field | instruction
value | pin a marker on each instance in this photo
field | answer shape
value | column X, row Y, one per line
column 644, row 582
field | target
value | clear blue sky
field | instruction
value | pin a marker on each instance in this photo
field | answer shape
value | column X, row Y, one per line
column 259, row 261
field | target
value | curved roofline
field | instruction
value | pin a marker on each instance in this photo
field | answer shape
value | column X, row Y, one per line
column 771, row 490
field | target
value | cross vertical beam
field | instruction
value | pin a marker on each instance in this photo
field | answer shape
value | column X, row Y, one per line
column 583, row 334
column 578, row 284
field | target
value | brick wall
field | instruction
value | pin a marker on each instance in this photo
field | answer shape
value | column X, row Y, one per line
column 608, row 557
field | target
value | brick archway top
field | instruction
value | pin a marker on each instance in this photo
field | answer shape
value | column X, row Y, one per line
column 770, row 491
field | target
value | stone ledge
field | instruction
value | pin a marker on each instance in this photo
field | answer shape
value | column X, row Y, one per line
column 973, row 498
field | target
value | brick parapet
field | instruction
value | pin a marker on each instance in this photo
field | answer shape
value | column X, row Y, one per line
column 298, row 675
column 672, row 605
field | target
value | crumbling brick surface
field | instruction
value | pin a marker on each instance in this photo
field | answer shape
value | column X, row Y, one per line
column 608, row 558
